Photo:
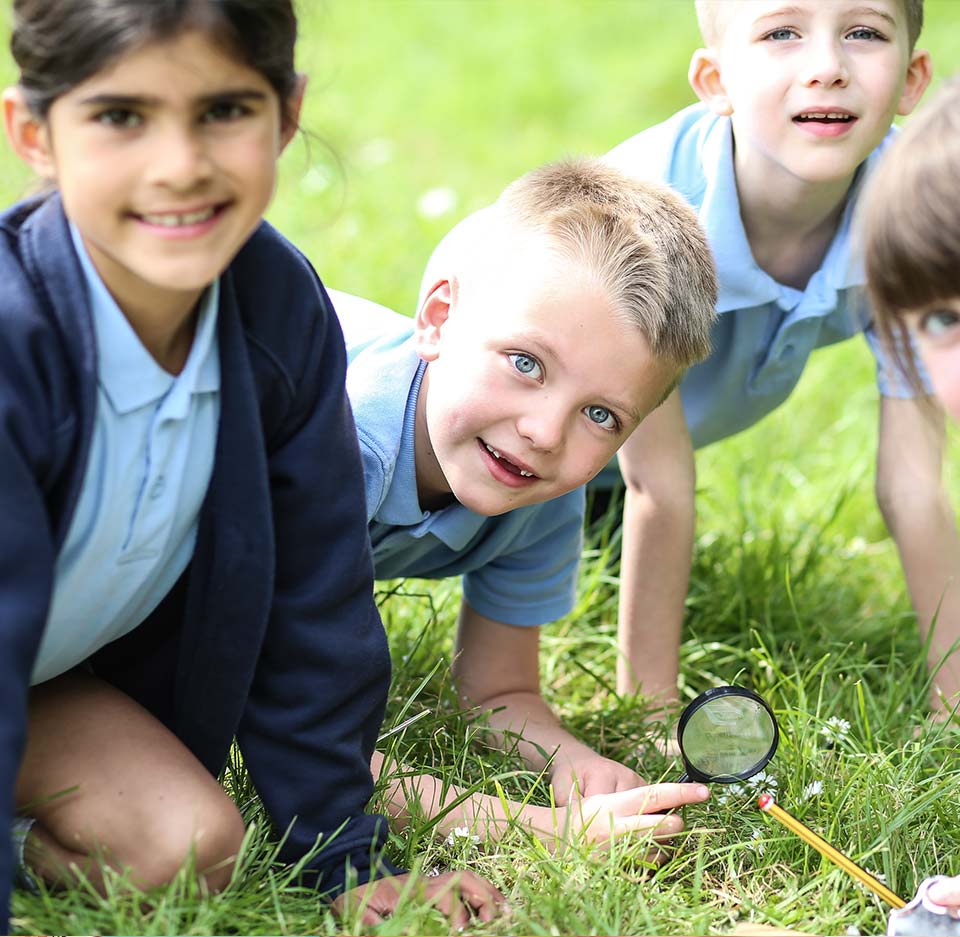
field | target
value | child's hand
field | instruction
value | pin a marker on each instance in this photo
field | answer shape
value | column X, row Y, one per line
column 589, row 775
column 459, row 896
column 946, row 892
column 600, row 818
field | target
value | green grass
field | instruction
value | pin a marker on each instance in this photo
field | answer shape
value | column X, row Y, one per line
column 796, row 588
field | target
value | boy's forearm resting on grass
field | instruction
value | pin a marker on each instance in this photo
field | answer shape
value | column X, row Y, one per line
column 496, row 671
column 917, row 510
column 657, row 464
column 596, row 819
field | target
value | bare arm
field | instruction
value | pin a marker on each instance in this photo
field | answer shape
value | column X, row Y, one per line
column 918, row 513
column 658, row 468
column 497, row 670
column 597, row 819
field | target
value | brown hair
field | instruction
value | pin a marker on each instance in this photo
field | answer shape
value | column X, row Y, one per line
column 641, row 240
column 710, row 16
column 911, row 222
column 57, row 44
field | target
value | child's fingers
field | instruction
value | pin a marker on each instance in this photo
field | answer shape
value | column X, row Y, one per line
column 655, row 798
column 662, row 827
column 484, row 898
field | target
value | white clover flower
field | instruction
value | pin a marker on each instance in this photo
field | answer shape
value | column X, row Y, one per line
column 758, row 843
column 813, row 789
column 462, row 833
column 835, row 729
column 761, row 779
column 853, row 931
column 728, row 791
column 879, row 876
column 434, row 203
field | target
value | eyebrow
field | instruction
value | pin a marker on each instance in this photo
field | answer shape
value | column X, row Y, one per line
column 135, row 100
column 856, row 11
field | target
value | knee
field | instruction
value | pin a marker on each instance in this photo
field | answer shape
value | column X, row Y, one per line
column 207, row 835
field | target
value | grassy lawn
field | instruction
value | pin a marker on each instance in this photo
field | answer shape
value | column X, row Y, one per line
column 418, row 112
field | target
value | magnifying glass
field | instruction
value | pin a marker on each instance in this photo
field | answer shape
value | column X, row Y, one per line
column 726, row 734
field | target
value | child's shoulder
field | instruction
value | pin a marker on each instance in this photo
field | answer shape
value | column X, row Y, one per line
column 367, row 324
column 683, row 151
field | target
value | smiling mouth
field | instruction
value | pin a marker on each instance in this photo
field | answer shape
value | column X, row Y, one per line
column 506, row 463
column 186, row 219
column 824, row 117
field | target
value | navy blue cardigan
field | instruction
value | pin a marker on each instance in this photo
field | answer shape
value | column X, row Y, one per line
column 271, row 635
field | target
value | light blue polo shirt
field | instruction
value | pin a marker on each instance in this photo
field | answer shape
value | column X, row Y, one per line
column 765, row 331
column 151, row 457
column 519, row 568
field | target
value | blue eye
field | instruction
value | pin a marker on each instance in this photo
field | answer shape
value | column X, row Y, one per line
column 863, row 32
column 782, row 34
column 526, row 364
column 602, row 417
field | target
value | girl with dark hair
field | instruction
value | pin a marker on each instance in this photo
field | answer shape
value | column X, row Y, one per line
column 171, row 404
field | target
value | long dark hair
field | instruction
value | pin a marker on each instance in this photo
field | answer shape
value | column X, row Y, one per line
column 58, row 44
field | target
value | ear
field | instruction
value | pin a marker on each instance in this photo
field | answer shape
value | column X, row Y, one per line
column 28, row 135
column 919, row 73
column 706, row 80
column 432, row 315
column 290, row 118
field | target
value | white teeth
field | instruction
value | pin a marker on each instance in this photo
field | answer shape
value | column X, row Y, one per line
column 174, row 220
column 825, row 115
column 497, row 455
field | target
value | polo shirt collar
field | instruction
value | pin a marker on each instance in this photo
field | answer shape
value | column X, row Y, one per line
column 455, row 525
column 743, row 284
column 127, row 372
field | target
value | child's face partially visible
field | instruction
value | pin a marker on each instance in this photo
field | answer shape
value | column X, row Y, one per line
column 533, row 384
column 166, row 162
column 812, row 86
column 937, row 334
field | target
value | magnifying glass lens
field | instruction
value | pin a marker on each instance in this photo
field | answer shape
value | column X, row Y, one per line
column 727, row 734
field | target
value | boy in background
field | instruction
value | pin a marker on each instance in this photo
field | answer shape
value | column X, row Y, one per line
column 797, row 101
column 569, row 316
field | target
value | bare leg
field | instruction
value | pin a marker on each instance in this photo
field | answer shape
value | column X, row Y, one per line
column 108, row 783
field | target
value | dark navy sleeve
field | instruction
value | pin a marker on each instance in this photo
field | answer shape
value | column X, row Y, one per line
column 320, row 688
column 27, row 556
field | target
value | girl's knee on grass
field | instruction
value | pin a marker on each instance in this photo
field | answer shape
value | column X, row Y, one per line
column 108, row 783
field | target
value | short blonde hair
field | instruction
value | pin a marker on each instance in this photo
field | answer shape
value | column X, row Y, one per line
column 910, row 218
column 711, row 16
column 641, row 241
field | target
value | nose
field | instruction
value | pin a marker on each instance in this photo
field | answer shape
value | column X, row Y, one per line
column 179, row 159
column 543, row 425
column 825, row 65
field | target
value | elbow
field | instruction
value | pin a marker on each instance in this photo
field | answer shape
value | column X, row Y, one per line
column 666, row 496
column 907, row 505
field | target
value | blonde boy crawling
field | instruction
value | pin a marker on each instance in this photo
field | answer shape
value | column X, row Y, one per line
column 571, row 314
column 797, row 100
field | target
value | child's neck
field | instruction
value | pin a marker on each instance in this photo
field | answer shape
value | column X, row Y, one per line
column 433, row 492
column 789, row 224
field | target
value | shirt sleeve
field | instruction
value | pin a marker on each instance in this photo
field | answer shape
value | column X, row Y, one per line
column 319, row 691
column 891, row 379
column 537, row 582
column 27, row 556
